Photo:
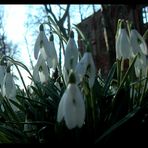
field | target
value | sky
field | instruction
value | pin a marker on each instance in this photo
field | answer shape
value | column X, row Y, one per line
column 15, row 17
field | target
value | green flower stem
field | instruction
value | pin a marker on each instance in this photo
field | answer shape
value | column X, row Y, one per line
column 122, row 70
column 118, row 72
column 140, row 84
column 22, row 81
column 90, row 110
column 126, row 75
column 86, row 92
column 132, row 77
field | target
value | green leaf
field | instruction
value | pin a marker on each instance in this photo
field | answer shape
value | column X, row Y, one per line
column 9, row 111
column 17, row 136
column 126, row 75
column 4, row 138
column 109, row 78
column 80, row 32
column 56, row 28
column 19, row 106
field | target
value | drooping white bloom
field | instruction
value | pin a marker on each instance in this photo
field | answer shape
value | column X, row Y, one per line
column 139, row 46
column 2, row 74
column 71, row 107
column 42, row 45
column 123, row 46
column 8, row 87
column 40, row 72
column 138, row 43
column 71, row 57
column 71, row 53
column 86, row 66
column 46, row 48
column 140, row 65
column 52, row 60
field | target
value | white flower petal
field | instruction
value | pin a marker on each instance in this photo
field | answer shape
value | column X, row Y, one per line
column 42, row 76
column 40, row 60
column 60, row 113
column 43, row 53
column 144, row 46
column 3, row 88
column 52, row 61
column 9, row 86
column 53, row 54
column 37, row 46
column 86, row 66
column 71, row 55
column 81, row 67
column 12, row 95
column 140, row 64
column 49, row 62
column 40, row 72
column 70, row 113
column 74, row 109
column 125, row 47
column 43, row 73
column 46, row 51
column 36, row 73
column 80, row 108
column 2, row 74
column 65, row 75
column 134, row 42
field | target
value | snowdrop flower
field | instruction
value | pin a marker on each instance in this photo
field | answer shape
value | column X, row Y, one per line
column 71, row 107
column 137, row 42
column 71, row 57
column 123, row 46
column 140, row 65
column 71, row 53
column 139, row 46
column 40, row 72
column 52, row 60
column 8, row 86
column 86, row 66
column 42, row 45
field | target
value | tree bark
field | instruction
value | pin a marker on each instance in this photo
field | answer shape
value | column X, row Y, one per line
column 110, row 35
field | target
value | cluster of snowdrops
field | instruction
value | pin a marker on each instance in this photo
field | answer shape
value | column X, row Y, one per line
column 78, row 74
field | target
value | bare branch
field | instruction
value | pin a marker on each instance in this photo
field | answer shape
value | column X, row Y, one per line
column 49, row 10
column 62, row 20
